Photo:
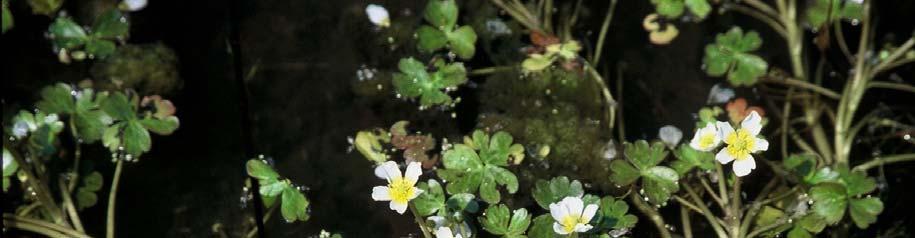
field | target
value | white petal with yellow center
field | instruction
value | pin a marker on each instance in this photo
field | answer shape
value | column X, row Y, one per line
column 571, row 215
column 378, row 15
column 400, row 189
column 706, row 138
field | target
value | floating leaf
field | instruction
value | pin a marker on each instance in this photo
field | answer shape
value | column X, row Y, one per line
column 497, row 221
column 552, row 191
column 730, row 54
column 658, row 182
column 414, row 81
column 442, row 14
column 470, row 172
column 369, row 145
column 613, row 214
column 431, row 200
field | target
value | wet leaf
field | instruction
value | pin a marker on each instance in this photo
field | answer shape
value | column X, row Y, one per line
column 442, row 13
column 110, row 25
column 829, row 201
column 798, row 232
column 135, row 138
column 497, row 221
column 552, row 191
column 769, row 215
column 462, row 202
column 542, row 227
column 864, row 211
column 93, row 182
column 414, row 81
column 431, row 200
column 45, row 7
column 613, row 214
column 623, row 173
column 468, row 173
column 56, row 99
column 825, row 11
column 65, row 33
column 430, row 39
column 100, row 48
column 824, row 174
column 295, row 205
column 803, row 165
column 536, row 62
column 700, row 8
column 659, row 183
column 7, row 20
column 163, row 126
column 272, row 187
column 462, row 42
column 669, row 8
column 85, row 199
column 689, row 158
column 730, row 54
column 643, row 156
column 858, row 183
column 260, row 170
column 812, row 223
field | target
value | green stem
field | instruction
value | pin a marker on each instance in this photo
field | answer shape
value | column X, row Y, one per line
column 887, row 85
column 879, row 161
column 603, row 32
column 42, row 192
column 40, row 227
column 419, row 222
column 652, row 214
column 68, row 205
column 736, row 209
column 490, row 70
column 620, row 67
column 112, row 195
column 805, row 85
column 687, row 227
column 854, row 90
column 771, row 21
column 712, row 220
column 608, row 98
column 885, row 63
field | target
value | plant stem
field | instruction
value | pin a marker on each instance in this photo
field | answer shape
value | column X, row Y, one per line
column 712, row 220
column 608, row 98
column 885, row 63
column 854, row 90
column 77, row 154
column 603, row 32
column 805, row 85
column 772, row 22
column 687, row 204
column 68, row 205
column 40, row 227
column 419, row 221
column 652, row 214
column 687, row 227
column 490, row 70
column 621, row 129
column 112, row 195
column 887, row 85
column 722, row 188
column 879, row 161
column 736, row 210
column 42, row 192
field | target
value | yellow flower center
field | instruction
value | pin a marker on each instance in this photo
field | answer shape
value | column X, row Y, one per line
column 401, row 190
column 570, row 221
column 706, row 140
column 740, row 144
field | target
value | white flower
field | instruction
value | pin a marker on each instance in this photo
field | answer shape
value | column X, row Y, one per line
column 706, row 138
column 400, row 189
column 670, row 135
column 445, row 232
column 571, row 215
column 741, row 143
column 378, row 15
column 133, row 5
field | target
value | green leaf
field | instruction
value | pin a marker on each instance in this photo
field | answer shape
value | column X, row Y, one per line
column 552, row 191
column 462, row 202
column 9, row 163
column 497, row 151
column 462, row 41
column 488, row 190
column 85, row 199
column 769, row 215
column 643, row 156
column 93, row 182
column 369, row 145
column 537, row 62
column 163, row 126
column 858, row 183
column 100, row 49
column 700, row 8
column 659, row 183
column 829, row 201
column 812, row 223
column 430, row 39
column 272, row 187
column 260, row 170
column 825, row 11
column 431, row 200
column 295, row 206
column 450, row 75
column 504, row 177
column 731, row 54
column 669, row 8
column 798, row 232
column 824, row 174
column 7, row 17
column 118, row 106
column 689, row 158
column 91, row 124
column 442, row 13
column 542, row 227
column 111, row 137
column 45, row 7
column 462, row 157
column 57, row 99
column 414, row 81
column 864, row 211
column 65, row 33
column 802, row 165
column 135, row 138
column 110, row 25
column 498, row 222
column 623, row 173
column 613, row 214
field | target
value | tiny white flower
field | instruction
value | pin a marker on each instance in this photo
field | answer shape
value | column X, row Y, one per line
column 741, row 143
column 400, row 189
column 378, row 15
column 445, row 232
column 571, row 215
column 670, row 135
column 706, row 138
column 133, row 5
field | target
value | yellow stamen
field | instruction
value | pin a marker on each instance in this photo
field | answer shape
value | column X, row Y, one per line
column 706, row 140
column 401, row 190
column 570, row 221
column 740, row 144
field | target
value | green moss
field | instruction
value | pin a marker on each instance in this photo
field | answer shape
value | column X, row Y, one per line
column 151, row 69
column 556, row 108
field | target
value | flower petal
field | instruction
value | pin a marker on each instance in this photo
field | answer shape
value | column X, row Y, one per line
column 724, row 130
column 558, row 211
column 388, row 171
column 381, row 193
column 574, row 204
column 414, row 169
column 753, row 123
column 559, row 229
column 723, row 157
column 443, row 232
column 744, row 166
column 760, row 145
column 589, row 212
column 399, row 207
column 416, row 192
column 583, row 227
